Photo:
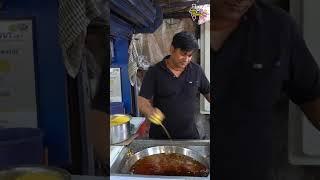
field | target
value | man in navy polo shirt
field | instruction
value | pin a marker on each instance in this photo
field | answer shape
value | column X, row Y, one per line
column 171, row 86
column 258, row 53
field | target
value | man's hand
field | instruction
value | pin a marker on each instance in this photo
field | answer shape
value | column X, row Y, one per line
column 150, row 112
column 156, row 116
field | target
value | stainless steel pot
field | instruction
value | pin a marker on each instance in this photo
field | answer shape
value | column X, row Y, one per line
column 119, row 133
column 164, row 149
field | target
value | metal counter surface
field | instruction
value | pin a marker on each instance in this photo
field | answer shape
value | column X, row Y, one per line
column 82, row 177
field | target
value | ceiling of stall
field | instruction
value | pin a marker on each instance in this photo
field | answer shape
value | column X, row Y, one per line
column 178, row 8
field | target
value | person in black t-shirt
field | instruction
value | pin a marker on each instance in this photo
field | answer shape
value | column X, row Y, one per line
column 171, row 86
column 258, row 53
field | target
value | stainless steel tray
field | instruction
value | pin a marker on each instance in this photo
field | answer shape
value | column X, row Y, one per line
column 202, row 147
column 163, row 149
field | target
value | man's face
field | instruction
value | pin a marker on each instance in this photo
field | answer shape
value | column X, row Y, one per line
column 180, row 58
column 231, row 9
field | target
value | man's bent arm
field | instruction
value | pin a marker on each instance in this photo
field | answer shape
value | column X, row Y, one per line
column 145, row 106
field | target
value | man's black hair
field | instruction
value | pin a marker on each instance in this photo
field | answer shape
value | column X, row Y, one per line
column 185, row 41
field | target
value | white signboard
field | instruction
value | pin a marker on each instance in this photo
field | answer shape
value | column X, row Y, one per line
column 115, row 85
column 18, row 105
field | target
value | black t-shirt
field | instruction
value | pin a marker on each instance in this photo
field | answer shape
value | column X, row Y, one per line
column 265, row 56
column 175, row 97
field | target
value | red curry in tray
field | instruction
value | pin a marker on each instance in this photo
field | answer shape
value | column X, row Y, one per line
column 171, row 164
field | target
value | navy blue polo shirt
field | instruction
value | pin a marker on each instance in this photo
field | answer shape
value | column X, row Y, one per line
column 175, row 97
column 265, row 56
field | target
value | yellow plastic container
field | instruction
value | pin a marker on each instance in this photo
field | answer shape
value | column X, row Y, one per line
column 118, row 119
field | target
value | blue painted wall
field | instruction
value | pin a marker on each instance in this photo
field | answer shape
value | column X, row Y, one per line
column 121, row 60
column 121, row 32
column 50, row 72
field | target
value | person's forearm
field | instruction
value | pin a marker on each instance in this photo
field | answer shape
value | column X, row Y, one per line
column 145, row 106
column 312, row 111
